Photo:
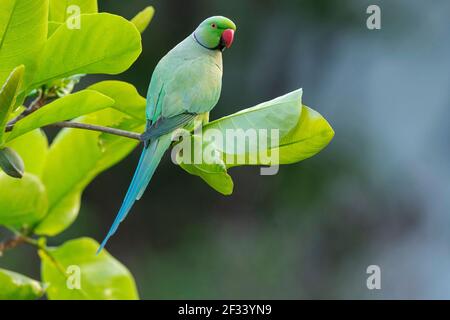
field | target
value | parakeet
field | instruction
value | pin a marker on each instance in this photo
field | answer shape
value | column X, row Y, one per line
column 185, row 86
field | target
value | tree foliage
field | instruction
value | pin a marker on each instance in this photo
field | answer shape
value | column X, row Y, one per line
column 42, row 60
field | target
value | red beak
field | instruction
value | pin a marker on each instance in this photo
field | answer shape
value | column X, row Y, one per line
column 227, row 37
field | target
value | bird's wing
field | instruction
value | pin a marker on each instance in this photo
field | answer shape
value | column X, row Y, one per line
column 155, row 97
column 166, row 125
column 176, row 97
column 192, row 86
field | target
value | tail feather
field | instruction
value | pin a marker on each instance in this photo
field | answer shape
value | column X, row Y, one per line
column 150, row 158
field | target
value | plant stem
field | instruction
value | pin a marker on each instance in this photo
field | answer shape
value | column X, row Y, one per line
column 11, row 243
column 19, row 238
column 92, row 127
column 41, row 100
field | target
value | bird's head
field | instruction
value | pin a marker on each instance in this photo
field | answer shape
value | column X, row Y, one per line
column 215, row 33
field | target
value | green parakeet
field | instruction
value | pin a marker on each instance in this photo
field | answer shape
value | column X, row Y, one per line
column 185, row 86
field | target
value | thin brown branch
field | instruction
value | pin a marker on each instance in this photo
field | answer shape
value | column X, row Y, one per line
column 11, row 243
column 92, row 127
column 41, row 100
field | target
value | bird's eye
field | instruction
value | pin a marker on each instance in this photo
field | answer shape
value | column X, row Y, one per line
column 213, row 25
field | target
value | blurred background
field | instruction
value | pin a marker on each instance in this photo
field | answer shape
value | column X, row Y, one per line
column 379, row 194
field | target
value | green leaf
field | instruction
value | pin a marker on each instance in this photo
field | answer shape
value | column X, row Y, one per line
column 22, row 202
column 16, row 286
column 143, row 18
column 8, row 94
column 32, row 147
column 52, row 26
column 311, row 134
column 102, row 277
column 58, row 9
column 60, row 216
column 105, row 43
column 76, row 157
column 212, row 170
column 66, row 108
column 126, row 97
column 303, row 132
column 23, row 31
column 11, row 163
column 280, row 114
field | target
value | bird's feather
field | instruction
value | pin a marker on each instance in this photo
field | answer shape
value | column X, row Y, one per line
column 150, row 158
column 166, row 125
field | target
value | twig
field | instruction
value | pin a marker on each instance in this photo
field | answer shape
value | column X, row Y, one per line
column 11, row 243
column 34, row 105
column 92, row 127
column 19, row 239
column 41, row 100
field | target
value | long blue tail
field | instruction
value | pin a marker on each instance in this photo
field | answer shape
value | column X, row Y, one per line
column 150, row 158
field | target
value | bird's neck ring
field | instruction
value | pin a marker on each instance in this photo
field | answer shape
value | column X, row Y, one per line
column 198, row 41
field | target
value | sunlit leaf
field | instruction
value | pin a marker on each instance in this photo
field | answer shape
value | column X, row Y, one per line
column 52, row 26
column 15, row 286
column 23, row 31
column 60, row 216
column 8, row 94
column 302, row 132
column 126, row 97
column 22, row 201
column 105, row 43
column 66, row 108
column 58, row 9
column 143, row 18
column 280, row 114
column 76, row 157
column 311, row 134
column 102, row 277
column 211, row 169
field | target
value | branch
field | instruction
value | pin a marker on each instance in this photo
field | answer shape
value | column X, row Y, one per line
column 11, row 243
column 92, row 127
column 20, row 239
column 41, row 101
